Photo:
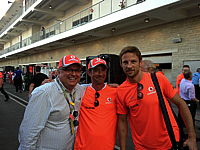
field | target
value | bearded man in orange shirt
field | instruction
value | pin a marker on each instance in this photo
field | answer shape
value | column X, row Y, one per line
column 137, row 98
column 180, row 77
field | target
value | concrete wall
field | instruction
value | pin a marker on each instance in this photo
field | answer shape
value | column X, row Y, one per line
column 27, row 33
column 151, row 39
column 15, row 40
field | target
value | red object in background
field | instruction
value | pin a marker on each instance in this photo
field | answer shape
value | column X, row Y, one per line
column 91, row 10
column 30, row 69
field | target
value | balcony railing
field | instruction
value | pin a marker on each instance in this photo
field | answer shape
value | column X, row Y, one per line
column 87, row 15
column 21, row 12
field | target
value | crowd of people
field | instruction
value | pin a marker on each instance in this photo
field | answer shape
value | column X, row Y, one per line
column 62, row 114
column 17, row 78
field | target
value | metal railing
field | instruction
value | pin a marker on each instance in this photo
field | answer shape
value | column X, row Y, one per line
column 87, row 15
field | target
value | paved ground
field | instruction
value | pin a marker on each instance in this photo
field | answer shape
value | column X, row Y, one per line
column 11, row 115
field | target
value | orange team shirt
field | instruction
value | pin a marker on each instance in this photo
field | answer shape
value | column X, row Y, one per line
column 97, row 125
column 178, row 81
column 146, row 120
column 1, row 77
column 160, row 72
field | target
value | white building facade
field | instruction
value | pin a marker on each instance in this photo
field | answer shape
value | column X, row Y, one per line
column 166, row 31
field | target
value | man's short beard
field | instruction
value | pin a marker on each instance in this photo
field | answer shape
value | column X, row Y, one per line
column 134, row 75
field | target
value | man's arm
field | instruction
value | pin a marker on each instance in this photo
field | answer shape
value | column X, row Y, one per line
column 47, row 81
column 187, row 118
column 122, row 130
column 31, row 89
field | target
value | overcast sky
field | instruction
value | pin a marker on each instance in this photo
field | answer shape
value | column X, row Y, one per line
column 4, row 7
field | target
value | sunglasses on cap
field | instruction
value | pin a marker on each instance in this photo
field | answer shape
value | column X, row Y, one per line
column 96, row 102
column 139, row 88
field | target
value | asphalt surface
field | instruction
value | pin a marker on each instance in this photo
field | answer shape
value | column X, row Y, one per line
column 12, row 111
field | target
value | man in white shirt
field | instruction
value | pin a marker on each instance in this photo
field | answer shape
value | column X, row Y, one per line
column 50, row 118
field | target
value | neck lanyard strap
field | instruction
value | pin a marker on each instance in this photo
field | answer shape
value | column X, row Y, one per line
column 72, row 98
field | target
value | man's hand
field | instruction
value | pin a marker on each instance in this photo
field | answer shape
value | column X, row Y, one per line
column 47, row 81
column 191, row 143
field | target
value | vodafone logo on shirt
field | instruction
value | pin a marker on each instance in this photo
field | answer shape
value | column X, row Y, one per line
column 109, row 101
column 151, row 90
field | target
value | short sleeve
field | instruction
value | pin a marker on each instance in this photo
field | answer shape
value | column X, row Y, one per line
column 121, row 104
column 191, row 92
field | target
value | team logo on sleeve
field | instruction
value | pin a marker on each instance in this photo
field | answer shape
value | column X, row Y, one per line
column 109, row 101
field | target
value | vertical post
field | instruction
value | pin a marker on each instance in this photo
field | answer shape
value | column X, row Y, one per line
column 54, row 29
column 99, row 10
column 88, row 14
column 80, row 17
column 111, row 6
column 59, row 27
column 72, row 21
column 65, row 24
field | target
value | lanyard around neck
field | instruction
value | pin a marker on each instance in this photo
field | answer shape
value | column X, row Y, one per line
column 71, row 104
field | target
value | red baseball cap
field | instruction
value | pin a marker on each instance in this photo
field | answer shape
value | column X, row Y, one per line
column 95, row 62
column 68, row 60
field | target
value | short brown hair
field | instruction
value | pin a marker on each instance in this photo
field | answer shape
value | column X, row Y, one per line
column 130, row 49
column 187, row 74
column 37, row 68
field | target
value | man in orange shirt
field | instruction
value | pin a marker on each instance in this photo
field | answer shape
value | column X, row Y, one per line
column 160, row 71
column 137, row 98
column 98, row 115
column 180, row 77
column 1, row 87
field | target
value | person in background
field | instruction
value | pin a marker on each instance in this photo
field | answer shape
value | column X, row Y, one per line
column 37, row 79
column 10, row 77
column 147, row 66
column 18, row 77
column 53, row 75
column 4, row 75
column 137, row 98
column 160, row 71
column 180, row 77
column 195, row 81
column 43, row 32
column 187, row 93
column 1, row 87
column 97, row 128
